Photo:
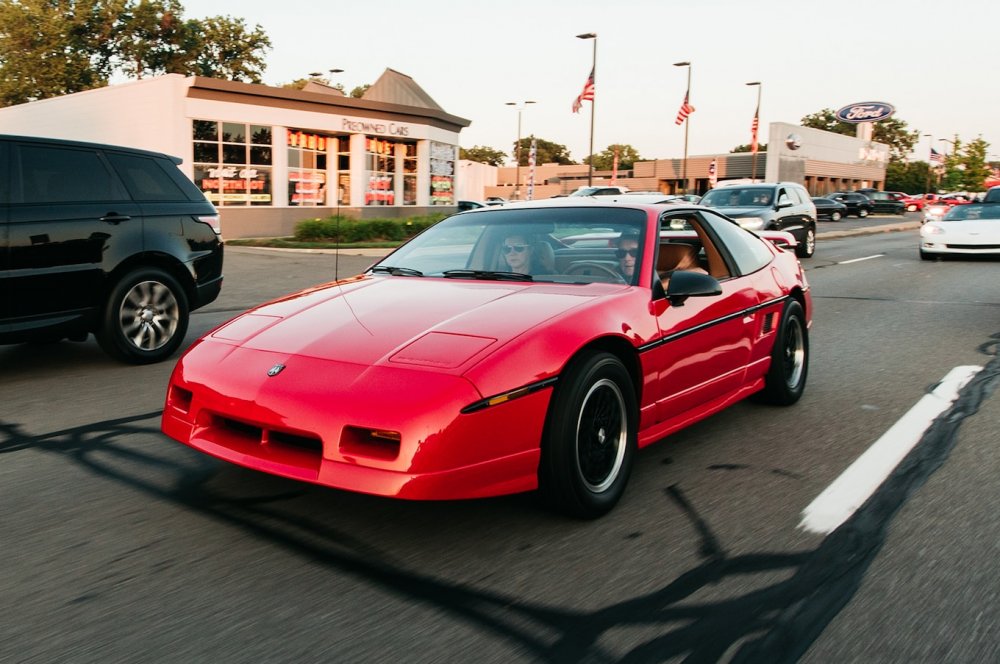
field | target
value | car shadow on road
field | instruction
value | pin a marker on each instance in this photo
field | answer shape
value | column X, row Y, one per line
column 775, row 622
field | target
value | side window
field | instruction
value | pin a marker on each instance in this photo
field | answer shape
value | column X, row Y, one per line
column 783, row 198
column 748, row 250
column 145, row 179
column 65, row 175
column 801, row 195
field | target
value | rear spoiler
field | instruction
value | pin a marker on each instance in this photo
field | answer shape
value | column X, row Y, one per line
column 780, row 239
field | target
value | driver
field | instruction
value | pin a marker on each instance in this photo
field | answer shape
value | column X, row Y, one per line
column 627, row 254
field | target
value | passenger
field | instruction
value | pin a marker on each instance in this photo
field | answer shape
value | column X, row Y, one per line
column 523, row 257
column 627, row 254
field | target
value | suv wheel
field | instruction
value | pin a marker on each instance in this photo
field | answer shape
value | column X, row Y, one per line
column 807, row 247
column 862, row 213
column 145, row 317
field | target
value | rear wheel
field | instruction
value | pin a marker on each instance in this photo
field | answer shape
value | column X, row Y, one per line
column 862, row 213
column 145, row 317
column 786, row 378
column 590, row 437
column 835, row 216
column 807, row 247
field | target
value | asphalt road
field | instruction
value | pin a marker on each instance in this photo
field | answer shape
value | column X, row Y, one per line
column 121, row 545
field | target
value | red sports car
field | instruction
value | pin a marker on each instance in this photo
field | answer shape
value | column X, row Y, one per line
column 505, row 349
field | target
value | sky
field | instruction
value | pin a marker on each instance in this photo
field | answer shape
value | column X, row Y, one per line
column 936, row 62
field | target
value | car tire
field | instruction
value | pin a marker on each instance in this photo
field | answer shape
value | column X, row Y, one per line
column 786, row 378
column 862, row 213
column 835, row 216
column 926, row 256
column 807, row 247
column 590, row 437
column 145, row 317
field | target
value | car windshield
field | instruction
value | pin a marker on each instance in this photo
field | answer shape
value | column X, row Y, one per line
column 739, row 197
column 972, row 211
column 564, row 245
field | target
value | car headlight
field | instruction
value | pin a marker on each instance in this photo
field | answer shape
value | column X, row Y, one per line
column 750, row 223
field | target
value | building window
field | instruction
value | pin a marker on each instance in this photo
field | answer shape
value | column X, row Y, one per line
column 410, row 174
column 307, row 164
column 442, row 160
column 380, row 162
column 343, row 165
column 232, row 162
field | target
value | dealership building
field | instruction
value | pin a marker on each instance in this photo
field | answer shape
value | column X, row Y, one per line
column 820, row 160
column 269, row 157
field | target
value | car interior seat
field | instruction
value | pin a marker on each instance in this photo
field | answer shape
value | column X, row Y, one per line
column 545, row 257
column 673, row 254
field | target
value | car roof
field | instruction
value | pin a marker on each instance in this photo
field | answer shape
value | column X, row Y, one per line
column 85, row 144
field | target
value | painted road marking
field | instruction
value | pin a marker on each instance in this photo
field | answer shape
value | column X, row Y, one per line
column 858, row 260
column 856, row 484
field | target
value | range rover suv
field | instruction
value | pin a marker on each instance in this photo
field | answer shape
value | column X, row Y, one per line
column 105, row 240
column 777, row 206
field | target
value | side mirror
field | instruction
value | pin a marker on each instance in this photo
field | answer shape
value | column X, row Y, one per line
column 684, row 284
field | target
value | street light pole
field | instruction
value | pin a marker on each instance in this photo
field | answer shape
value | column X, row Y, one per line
column 593, row 102
column 517, row 147
column 756, row 127
column 687, row 119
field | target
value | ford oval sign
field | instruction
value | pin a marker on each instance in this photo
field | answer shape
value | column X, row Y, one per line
column 866, row 111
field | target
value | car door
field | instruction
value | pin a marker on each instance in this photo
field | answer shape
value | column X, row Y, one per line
column 704, row 343
column 71, row 222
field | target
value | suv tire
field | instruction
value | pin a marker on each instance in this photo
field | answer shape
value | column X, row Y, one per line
column 145, row 317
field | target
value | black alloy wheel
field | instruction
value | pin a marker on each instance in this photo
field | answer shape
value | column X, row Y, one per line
column 786, row 377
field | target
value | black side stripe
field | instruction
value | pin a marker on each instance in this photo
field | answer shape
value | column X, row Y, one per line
column 510, row 395
column 718, row 321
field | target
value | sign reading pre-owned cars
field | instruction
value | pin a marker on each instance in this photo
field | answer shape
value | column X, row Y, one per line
column 866, row 111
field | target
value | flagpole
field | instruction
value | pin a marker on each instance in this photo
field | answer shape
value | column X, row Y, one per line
column 687, row 100
column 753, row 147
column 593, row 103
column 930, row 165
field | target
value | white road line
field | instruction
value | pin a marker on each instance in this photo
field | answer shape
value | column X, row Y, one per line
column 858, row 260
column 856, row 484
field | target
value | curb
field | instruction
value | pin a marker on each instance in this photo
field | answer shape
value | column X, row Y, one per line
column 883, row 228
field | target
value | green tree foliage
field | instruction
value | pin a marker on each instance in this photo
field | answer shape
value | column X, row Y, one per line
column 977, row 170
column 359, row 90
column 910, row 177
column 893, row 132
column 483, row 154
column 50, row 48
column 547, row 152
column 627, row 156
column 761, row 147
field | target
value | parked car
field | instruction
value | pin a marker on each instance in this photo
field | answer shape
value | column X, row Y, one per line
column 992, row 195
column 603, row 190
column 914, row 203
column 827, row 208
column 858, row 205
column 935, row 211
column 105, row 240
column 971, row 229
column 470, row 205
column 503, row 381
column 884, row 202
column 495, row 200
column 783, row 206
column 651, row 198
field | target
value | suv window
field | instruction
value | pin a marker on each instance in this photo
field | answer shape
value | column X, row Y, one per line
column 992, row 196
column 66, row 175
column 145, row 179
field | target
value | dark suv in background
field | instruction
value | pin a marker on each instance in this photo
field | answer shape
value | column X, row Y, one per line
column 105, row 240
column 780, row 206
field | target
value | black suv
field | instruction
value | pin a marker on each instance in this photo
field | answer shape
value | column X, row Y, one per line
column 102, row 239
column 779, row 206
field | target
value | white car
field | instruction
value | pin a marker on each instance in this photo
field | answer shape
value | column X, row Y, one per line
column 971, row 229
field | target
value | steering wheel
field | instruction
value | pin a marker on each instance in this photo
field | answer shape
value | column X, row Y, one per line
column 591, row 268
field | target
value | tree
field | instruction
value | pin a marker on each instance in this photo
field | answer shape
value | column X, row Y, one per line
column 483, row 154
column 547, row 152
column 909, row 177
column 893, row 132
column 761, row 147
column 604, row 161
column 50, row 48
column 359, row 91
column 977, row 170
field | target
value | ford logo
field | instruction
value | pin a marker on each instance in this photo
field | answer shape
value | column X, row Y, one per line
column 866, row 111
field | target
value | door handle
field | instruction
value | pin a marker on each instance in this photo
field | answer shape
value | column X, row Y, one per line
column 115, row 218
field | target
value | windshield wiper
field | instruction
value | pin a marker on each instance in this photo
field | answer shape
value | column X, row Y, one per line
column 487, row 274
column 398, row 271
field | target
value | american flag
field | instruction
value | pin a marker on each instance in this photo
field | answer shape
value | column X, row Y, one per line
column 936, row 157
column 685, row 110
column 754, row 126
column 586, row 95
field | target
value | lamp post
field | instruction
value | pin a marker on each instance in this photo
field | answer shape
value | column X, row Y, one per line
column 687, row 98
column 756, row 126
column 517, row 177
column 593, row 102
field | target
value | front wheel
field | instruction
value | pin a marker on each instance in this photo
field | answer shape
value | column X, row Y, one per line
column 807, row 247
column 786, row 378
column 145, row 317
column 862, row 213
column 835, row 216
column 590, row 437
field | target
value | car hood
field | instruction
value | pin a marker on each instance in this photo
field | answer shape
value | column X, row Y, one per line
column 743, row 211
column 424, row 322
